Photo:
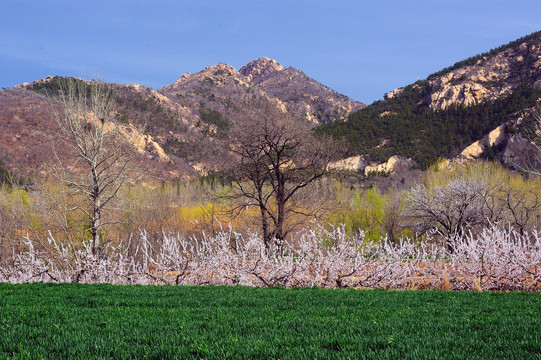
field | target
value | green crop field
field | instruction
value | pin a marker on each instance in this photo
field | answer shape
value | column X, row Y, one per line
column 104, row 321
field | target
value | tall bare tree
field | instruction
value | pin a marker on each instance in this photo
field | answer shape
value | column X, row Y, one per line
column 278, row 157
column 93, row 160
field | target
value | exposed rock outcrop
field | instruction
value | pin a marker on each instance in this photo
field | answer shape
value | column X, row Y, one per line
column 511, row 148
column 352, row 164
column 143, row 143
column 394, row 93
column 467, row 93
column 490, row 77
column 493, row 75
column 396, row 163
column 258, row 69
column 496, row 137
column 521, row 154
column 517, row 147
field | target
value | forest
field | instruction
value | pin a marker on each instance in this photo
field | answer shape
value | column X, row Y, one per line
column 412, row 129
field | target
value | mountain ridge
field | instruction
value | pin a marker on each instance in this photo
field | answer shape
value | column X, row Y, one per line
column 451, row 109
column 183, row 129
column 180, row 130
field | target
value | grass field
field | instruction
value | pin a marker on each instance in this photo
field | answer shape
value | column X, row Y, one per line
column 105, row 321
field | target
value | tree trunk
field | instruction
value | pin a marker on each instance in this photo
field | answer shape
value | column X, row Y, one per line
column 95, row 224
column 267, row 235
column 280, row 222
column 96, row 211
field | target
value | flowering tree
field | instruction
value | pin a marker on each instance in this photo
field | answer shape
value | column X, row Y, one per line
column 450, row 208
column 457, row 200
column 493, row 259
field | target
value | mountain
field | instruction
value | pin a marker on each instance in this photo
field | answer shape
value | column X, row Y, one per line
column 299, row 93
column 179, row 131
column 474, row 108
column 27, row 137
column 488, row 76
column 450, row 110
column 288, row 88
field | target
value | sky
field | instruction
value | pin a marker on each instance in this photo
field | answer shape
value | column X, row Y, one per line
column 362, row 49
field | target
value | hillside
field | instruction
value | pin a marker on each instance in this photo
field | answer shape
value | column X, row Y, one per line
column 440, row 116
column 27, row 139
column 179, row 131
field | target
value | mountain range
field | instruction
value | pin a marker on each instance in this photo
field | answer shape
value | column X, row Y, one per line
column 180, row 130
column 471, row 109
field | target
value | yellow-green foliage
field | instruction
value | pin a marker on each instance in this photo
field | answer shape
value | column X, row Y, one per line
column 189, row 208
column 18, row 220
column 521, row 201
column 359, row 210
column 192, row 207
column 442, row 173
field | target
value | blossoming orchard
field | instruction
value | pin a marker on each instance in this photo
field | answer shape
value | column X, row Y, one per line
column 495, row 259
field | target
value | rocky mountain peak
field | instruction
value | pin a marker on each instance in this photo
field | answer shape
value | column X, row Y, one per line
column 220, row 69
column 217, row 74
column 260, row 68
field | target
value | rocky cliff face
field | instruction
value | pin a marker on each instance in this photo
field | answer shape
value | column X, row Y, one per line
column 490, row 77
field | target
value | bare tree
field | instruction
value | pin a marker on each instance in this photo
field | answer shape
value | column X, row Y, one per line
column 531, row 138
column 393, row 215
column 521, row 201
column 93, row 160
column 278, row 157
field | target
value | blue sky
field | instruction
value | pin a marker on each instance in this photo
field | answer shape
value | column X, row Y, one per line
column 362, row 49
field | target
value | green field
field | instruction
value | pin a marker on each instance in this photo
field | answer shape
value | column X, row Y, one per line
column 105, row 321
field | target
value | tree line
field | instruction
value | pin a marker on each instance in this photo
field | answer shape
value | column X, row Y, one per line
column 473, row 60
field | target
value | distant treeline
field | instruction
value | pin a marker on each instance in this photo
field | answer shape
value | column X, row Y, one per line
column 406, row 125
column 473, row 60
column 53, row 86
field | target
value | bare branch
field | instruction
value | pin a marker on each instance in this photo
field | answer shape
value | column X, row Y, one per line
column 97, row 162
